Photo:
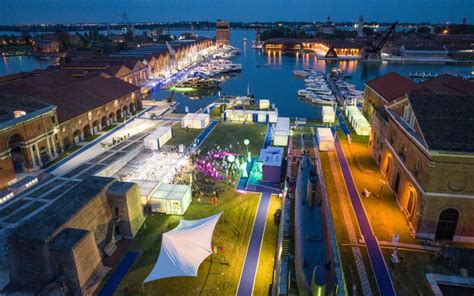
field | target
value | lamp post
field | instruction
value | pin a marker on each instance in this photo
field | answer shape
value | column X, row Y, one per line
column 247, row 142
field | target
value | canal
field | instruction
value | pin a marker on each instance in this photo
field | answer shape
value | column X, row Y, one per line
column 268, row 76
column 271, row 76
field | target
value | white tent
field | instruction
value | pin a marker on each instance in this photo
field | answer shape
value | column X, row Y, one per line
column 195, row 120
column 184, row 248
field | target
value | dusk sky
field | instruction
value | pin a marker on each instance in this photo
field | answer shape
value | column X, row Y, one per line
column 69, row 11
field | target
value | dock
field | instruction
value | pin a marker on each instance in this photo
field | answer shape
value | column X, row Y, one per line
column 337, row 94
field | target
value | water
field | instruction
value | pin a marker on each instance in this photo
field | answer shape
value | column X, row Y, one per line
column 277, row 83
column 15, row 64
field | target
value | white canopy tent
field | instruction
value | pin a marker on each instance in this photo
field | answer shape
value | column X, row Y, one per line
column 184, row 248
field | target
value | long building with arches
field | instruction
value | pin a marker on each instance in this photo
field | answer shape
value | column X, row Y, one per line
column 45, row 113
column 423, row 141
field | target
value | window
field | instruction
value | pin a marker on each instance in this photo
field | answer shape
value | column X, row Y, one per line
column 53, row 119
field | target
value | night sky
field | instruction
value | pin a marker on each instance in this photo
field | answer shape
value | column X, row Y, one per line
column 71, row 11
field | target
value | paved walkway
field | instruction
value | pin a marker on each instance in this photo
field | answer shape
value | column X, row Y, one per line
column 377, row 261
column 198, row 141
column 114, row 281
column 342, row 123
column 249, row 271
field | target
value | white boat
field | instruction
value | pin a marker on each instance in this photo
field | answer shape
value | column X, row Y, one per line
column 320, row 91
column 257, row 44
column 304, row 93
column 315, row 99
column 300, row 73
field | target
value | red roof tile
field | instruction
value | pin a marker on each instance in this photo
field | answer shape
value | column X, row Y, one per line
column 449, row 85
column 392, row 86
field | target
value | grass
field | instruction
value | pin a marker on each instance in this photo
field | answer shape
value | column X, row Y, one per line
column 110, row 127
column 384, row 215
column 183, row 136
column 216, row 113
column 264, row 277
column 235, row 133
column 63, row 155
column 351, row 275
column 232, row 232
column 408, row 276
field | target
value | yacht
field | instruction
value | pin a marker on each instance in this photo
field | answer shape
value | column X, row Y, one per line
column 321, row 100
column 304, row 93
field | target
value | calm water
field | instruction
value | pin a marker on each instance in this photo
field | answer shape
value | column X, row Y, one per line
column 274, row 82
column 277, row 83
column 10, row 65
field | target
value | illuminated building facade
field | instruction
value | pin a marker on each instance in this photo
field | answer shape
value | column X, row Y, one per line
column 423, row 144
column 222, row 33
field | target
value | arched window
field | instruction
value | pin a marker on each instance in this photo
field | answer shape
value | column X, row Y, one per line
column 448, row 220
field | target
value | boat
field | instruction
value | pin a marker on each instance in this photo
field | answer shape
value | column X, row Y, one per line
column 303, row 93
column 301, row 73
column 257, row 44
column 321, row 100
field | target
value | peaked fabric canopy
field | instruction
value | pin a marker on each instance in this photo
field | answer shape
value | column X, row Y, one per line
column 184, row 248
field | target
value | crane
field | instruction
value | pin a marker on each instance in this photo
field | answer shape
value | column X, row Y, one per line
column 373, row 52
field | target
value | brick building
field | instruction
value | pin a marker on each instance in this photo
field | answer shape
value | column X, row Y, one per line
column 384, row 90
column 222, row 33
column 47, row 112
column 63, row 245
column 423, row 142
column 28, row 136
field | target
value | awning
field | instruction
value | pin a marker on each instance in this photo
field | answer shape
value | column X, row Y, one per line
column 184, row 248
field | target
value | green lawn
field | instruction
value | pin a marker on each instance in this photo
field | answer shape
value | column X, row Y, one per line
column 384, row 214
column 63, row 155
column 266, row 262
column 234, row 134
column 351, row 275
column 183, row 136
column 408, row 276
column 232, row 232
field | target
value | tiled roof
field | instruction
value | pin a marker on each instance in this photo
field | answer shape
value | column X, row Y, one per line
column 10, row 104
column 446, row 121
column 37, row 83
column 85, row 95
column 449, row 85
column 392, row 86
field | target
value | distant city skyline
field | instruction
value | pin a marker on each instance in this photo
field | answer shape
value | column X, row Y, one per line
column 75, row 11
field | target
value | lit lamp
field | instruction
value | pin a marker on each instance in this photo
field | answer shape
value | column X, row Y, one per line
column 247, row 142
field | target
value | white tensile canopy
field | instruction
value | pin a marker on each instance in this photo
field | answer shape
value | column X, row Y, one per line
column 184, row 248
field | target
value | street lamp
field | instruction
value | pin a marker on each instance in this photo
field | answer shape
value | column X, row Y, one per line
column 247, row 142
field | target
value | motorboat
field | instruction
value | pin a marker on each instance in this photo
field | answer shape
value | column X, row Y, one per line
column 320, row 100
column 301, row 73
column 304, row 93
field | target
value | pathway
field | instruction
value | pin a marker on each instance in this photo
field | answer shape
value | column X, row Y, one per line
column 377, row 261
column 342, row 123
column 198, row 141
column 249, row 270
column 114, row 281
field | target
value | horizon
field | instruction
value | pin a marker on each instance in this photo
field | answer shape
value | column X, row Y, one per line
column 107, row 11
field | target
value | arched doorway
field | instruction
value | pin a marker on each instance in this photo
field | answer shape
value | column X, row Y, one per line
column 397, row 183
column 16, row 153
column 131, row 108
column 125, row 110
column 103, row 122
column 447, row 222
column 389, row 163
column 95, row 127
column 87, row 131
column 111, row 118
column 119, row 114
column 410, row 208
column 77, row 137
